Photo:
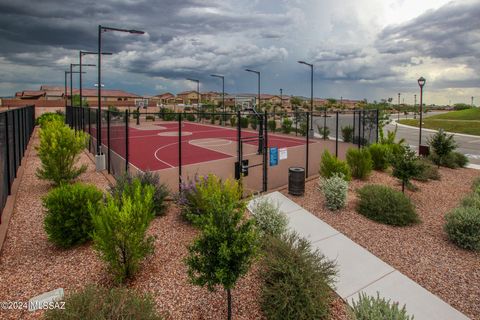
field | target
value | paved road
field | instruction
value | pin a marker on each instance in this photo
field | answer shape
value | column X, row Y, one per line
column 468, row 145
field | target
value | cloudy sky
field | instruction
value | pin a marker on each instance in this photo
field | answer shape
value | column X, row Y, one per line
column 371, row 49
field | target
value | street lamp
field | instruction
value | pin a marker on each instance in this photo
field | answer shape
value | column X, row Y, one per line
column 311, row 132
column 81, row 54
column 99, row 159
column 415, row 107
column 421, row 82
column 223, row 95
column 198, row 96
column 260, row 127
column 398, row 106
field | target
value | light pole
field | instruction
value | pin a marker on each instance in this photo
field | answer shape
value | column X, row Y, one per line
column 198, row 96
column 415, row 107
column 398, row 106
column 100, row 160
column 81, row 54
column 223, row 94
column 260, row 133
column 311, row 132
column 421, row 82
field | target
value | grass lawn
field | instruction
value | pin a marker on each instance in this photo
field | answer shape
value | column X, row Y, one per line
column 464, row 121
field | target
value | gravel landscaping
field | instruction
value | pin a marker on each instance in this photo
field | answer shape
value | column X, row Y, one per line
column 31, row 265
column 422, row 251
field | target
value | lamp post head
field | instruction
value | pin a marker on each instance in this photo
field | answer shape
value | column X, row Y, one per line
column 421, row 81
column 136, row 31
column 254, row 71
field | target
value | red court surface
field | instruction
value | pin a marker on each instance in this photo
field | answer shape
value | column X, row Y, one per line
column 156, row 149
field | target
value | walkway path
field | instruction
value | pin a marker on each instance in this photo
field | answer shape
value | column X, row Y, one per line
column 361, row 271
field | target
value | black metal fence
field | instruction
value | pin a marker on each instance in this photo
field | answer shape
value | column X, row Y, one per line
column 248, row 140
column 16, row 127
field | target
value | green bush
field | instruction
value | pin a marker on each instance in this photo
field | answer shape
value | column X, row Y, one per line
column 233, row 121
column 405, row 166
column 296, row 280
column 190, row 117
column 360, row 162
column 463, row 227
column 329, row 165
column 335, row 191
column 150, row 117
column 441, row 146
column 380, row 156
column 302, row 129
column 148, row 178
column 120, row 230
column 270, row 221
column 272, row 125
column 426, row 171
column 370, row 308
column 244, row 122
column 48, row 117
column 323, row 131
column 347, row 133
column 287, row 125
column 196, row 197
column 59, row 151
column 385, row 205
column 100, row 303
column 68, row 221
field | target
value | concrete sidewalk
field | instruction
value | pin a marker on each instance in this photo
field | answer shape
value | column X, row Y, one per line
column 361, row 271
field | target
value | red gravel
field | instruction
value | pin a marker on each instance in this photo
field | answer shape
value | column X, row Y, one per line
column 422, row 252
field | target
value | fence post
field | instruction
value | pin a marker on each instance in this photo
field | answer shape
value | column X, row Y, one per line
column 308, row 144
column 377, row 120
column 336, row 134
column 127, row 143
column 179, row 151
column 353, row 135
column 7, row 138
column 108, row 139
column 14, row 144
column 265, row 152
column 359, row 127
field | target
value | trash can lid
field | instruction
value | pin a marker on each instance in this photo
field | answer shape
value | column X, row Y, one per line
column 296, row 169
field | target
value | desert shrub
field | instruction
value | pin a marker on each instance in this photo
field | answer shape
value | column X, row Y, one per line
column 426, row 170
column 441, row 145
column 272, row 125
column 476, row 184
column 405, row 166
column 386, row 205
column 360, row 162
column 48, row 117
column 463, row 227
column 335, row 191
column 347, row 133
column 460, row 159
column 323, row 131
column 303, row 127
column 120, row 228
column 296, row 280
column 287, row 125
column 150, row 117
column 196, row 196
column 190, row 117
column 253, row 122
column 124, row 184
column 233, row 121
column 472, row 200
column 95, row 302
column 380, row 156
column 268, row 217
column 59, row 151
column 371, row 308
column 329, row 165
column 244, row 122
column 68, row 221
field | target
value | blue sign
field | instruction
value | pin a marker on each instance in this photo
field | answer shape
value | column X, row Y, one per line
column 273, row 156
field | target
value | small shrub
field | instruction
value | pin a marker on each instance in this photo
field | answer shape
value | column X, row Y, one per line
column 268, row 218
column 150, row 117
column 426, row 171
column 233, row 121
column 360, row 162
column 460, row 159
column 335, row 191
column 296, row 280
column 244, row 122
column 463, row 227
column 59, row 151
column 120, row 230
column 272, row 125
column 148, row 178
column 323, row 131
column 380, row 156
column 330, row 165
column 48, row 117
column 287, row 125
column 302, row 129
column 68, row 221
column 472, row 200
column 190, row 117
column 405, row 166
column 347, row 134
column 370, row 308
column 100, row 303
column 385, row 205
column 476, row 184
column 441, row 146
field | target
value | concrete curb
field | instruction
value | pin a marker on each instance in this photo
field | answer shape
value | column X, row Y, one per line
column 431, row 130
